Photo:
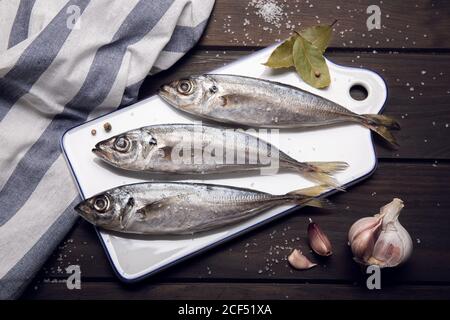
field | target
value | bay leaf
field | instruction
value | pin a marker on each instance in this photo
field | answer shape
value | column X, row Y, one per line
column 310, row 63
column 281, row 57
column 319, row 36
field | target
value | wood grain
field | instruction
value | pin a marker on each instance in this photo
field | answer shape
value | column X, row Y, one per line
column 418, row 94
column 260, row 255
column 232, row 291
column 410, row 25
column 412, row 53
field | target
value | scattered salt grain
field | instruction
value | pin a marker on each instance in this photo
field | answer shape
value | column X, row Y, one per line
column 269, row 11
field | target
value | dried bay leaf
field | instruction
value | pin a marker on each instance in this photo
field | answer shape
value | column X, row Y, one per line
column 281, row 57
column 304, row 51
column 319, row 36
column 310, row 63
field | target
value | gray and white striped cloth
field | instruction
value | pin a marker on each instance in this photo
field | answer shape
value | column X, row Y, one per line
column 62, row 62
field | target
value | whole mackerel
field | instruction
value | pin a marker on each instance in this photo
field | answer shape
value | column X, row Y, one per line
column 255, row 102
column 176, row 208
column 201, row 149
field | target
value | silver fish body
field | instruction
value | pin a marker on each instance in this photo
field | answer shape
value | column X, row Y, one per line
column 161, row 208
column 261, row 103
column 195, row 149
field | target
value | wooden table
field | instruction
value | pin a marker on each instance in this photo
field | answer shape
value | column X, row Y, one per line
column 411, row 51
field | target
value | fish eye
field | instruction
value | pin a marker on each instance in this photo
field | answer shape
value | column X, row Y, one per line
column 102, row 203
column 185, row 87
column 122, row 144
column 213, row 89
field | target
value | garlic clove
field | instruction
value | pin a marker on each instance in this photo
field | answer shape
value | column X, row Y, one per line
column 299, row 261
column 360, row 226
column 362, row 237
column 394, row 245
column 318, row 240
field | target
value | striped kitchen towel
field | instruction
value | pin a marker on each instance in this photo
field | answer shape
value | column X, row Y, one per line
column 62, row 62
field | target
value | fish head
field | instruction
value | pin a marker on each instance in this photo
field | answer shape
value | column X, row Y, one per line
column 189, row 94
column 107, row 210
column 127, row 150
column 100, row 210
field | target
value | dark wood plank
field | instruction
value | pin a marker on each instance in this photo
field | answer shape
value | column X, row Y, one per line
column 250, row 291
column 418, row 24
column 418, row 93
column 260, row 255
column 253, row 266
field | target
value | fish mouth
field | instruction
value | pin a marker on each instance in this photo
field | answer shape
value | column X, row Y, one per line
column 165, row 94
column 83, row 210
column 163, row 89
column 78, row 208
column 99, row 152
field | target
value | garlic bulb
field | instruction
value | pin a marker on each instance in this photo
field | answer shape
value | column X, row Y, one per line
column 381, row 240
column 299, row 261
column 318, row 240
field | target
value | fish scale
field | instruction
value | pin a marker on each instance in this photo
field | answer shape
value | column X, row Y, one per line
column 195, row 149
column 253, row 102
column 172, row 208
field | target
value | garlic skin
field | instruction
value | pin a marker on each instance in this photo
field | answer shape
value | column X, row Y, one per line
column 363, row 235
column 318, row 240
column 299, row 261
column 381, row 240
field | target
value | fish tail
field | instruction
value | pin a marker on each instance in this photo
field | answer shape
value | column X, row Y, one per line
column 322, row 172
column 308, row 196
column 382, row 126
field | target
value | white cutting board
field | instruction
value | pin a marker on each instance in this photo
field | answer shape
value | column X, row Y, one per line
column 134, row 257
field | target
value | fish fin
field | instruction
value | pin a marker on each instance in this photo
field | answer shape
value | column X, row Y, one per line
column 167, row 152
column 223, row 101
column 234, row 99
column 141, row 213
column 320, row 203
column 148, row 147
column 322, row 172
column 329, row 167
column 307, row 196
column 227, row 98
column 381, row 125
column 381, row 120
column 310, row 192
column 124, row 218
column 145, row 210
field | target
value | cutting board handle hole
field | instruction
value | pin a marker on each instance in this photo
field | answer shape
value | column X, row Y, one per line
column 359, row 92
